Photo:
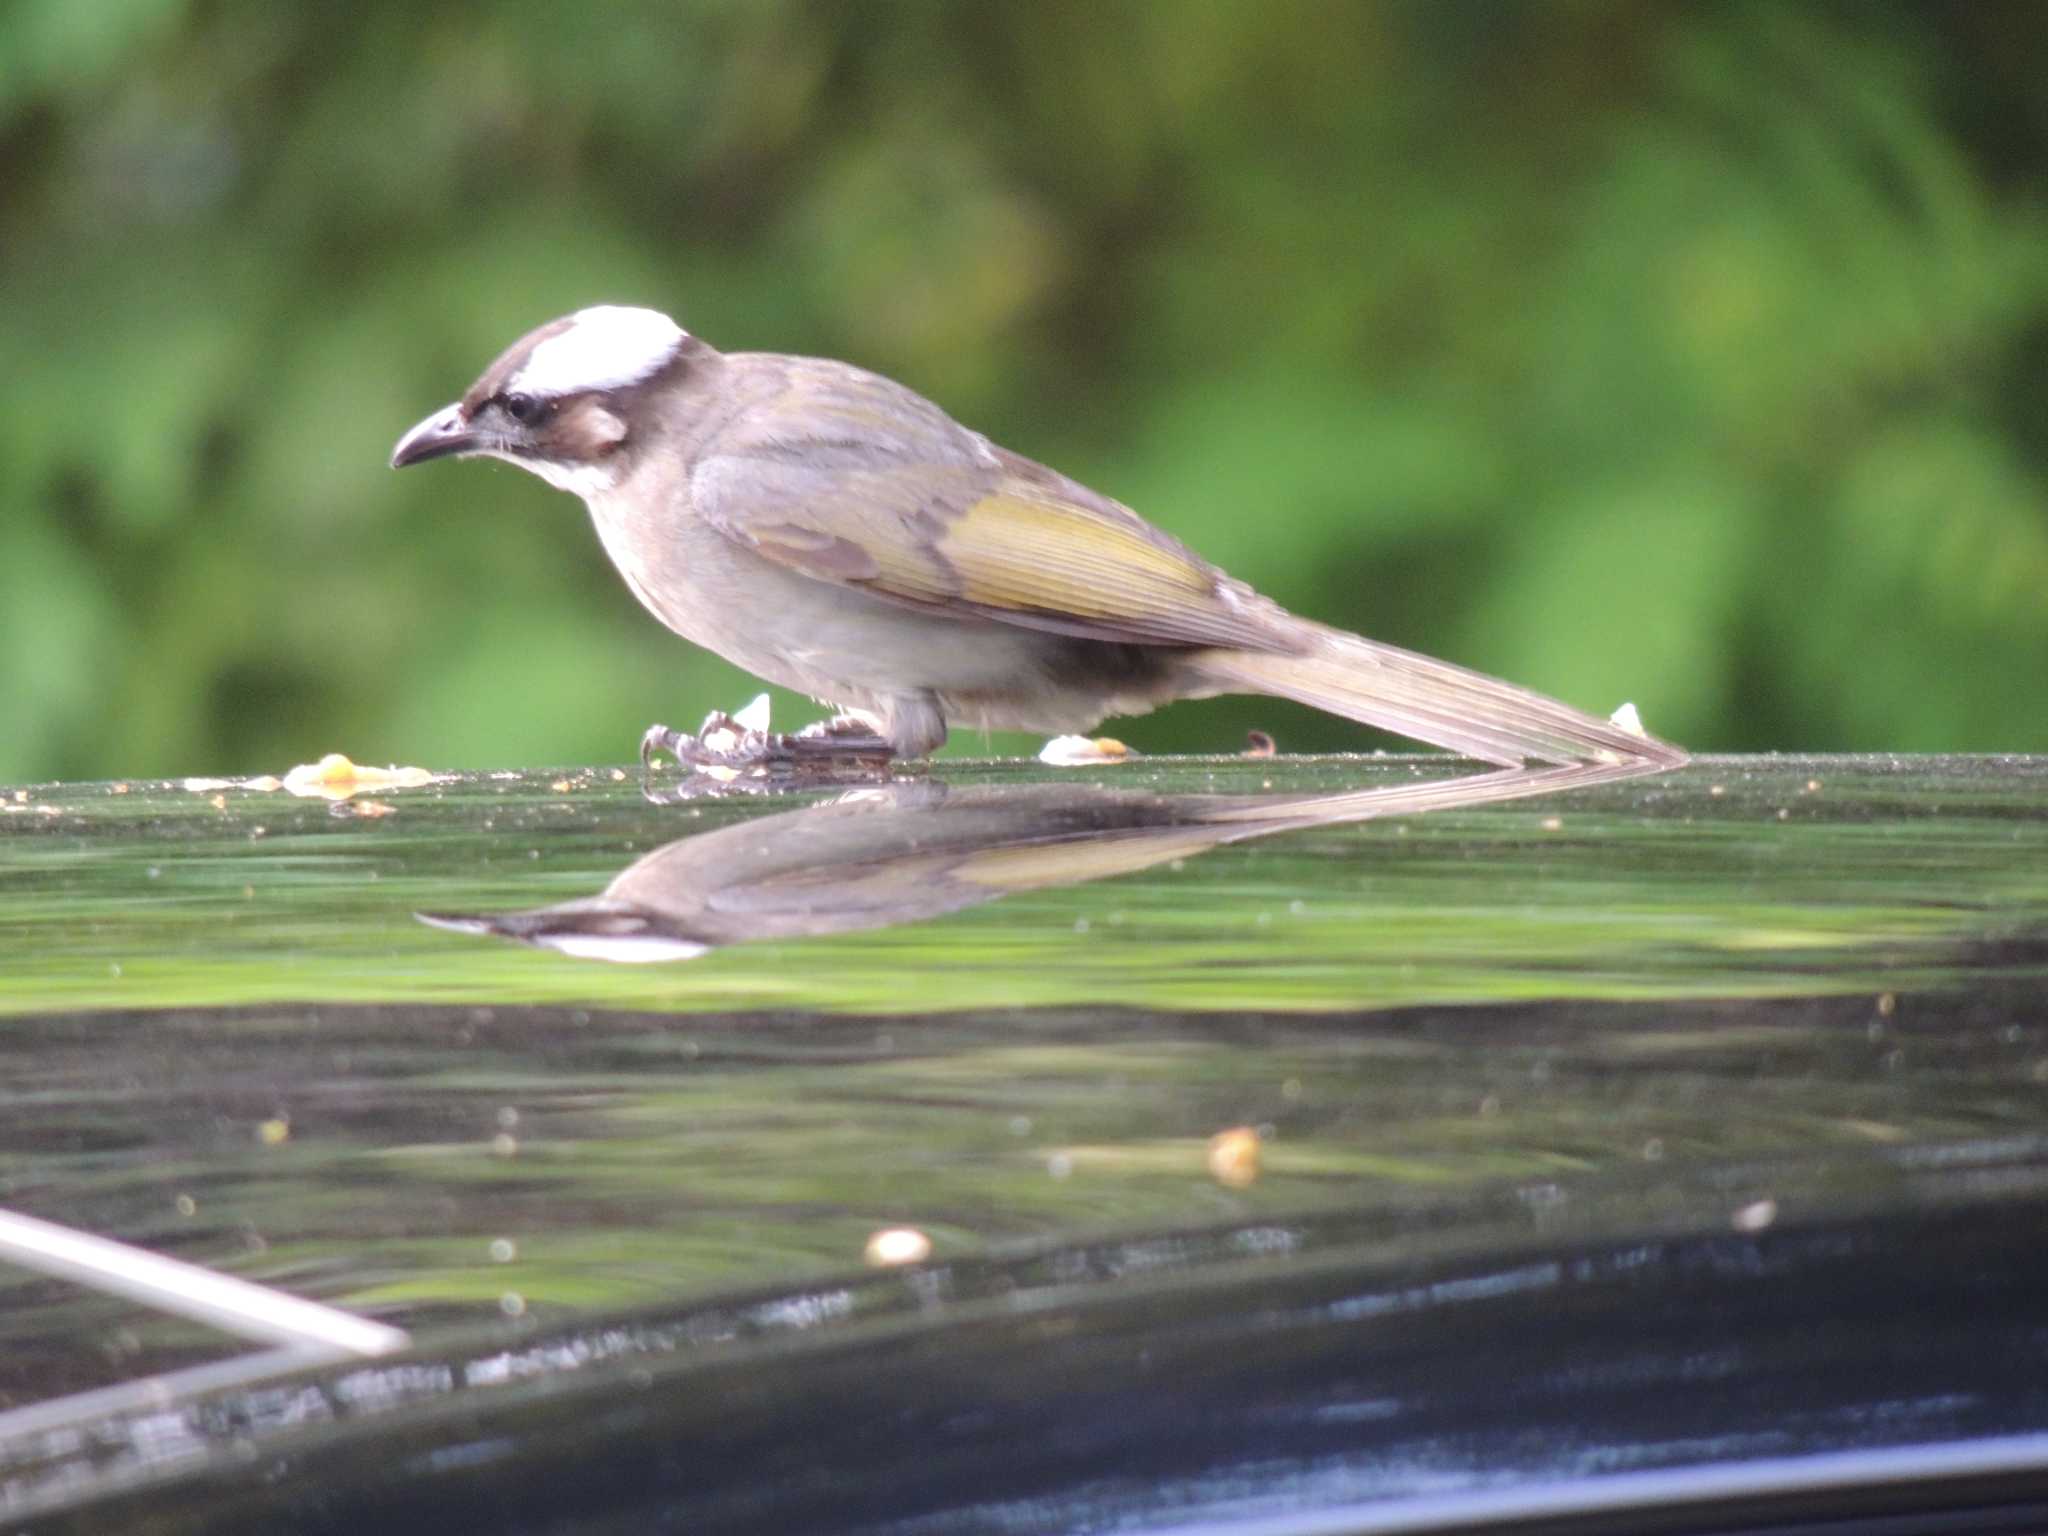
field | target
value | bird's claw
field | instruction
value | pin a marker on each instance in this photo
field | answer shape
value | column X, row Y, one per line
column 658, row 739
column 721, row 741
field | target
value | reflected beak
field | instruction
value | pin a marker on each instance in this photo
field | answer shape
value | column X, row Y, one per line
column 446, row 431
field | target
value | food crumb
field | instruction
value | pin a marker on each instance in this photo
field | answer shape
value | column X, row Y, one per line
column 1755, row 1216
column 1081, row 751
column 893, row 1246
column 1234, row 1157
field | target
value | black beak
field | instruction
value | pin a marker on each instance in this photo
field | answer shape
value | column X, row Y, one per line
column 446, row 431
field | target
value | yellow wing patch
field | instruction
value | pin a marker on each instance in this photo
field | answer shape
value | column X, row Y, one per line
column 1016, row 551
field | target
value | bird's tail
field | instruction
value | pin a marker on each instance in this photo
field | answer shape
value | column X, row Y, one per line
column 1417, row 696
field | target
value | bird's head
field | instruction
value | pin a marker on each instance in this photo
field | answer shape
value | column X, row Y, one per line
column 562, row 401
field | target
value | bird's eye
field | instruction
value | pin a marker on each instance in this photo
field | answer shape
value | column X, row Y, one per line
column 522, row 408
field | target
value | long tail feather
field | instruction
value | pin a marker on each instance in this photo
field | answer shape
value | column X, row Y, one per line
column 1434, row 701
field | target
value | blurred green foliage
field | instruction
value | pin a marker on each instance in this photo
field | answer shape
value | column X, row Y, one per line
column 1693, row 354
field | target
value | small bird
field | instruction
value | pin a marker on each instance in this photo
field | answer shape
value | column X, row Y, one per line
column 835, row 532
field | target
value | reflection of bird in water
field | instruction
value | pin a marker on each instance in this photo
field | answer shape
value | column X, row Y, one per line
column 907, row 851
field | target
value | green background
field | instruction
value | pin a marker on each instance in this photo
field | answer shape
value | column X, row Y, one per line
column 1693, row 355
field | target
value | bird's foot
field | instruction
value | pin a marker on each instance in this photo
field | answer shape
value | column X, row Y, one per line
column 727, row 750
column 720, row 740
column 842, row 735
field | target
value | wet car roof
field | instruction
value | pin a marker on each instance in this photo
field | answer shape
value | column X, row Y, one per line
column 1340, row 1119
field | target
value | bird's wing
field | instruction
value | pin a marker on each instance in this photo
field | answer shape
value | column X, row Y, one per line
column 854, row 480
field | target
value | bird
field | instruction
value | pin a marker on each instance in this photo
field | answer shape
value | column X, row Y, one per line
column 837, row 533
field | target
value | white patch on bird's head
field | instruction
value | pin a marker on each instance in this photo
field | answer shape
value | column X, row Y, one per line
column 605, row 347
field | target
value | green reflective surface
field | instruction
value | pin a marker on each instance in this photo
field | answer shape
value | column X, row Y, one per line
column 1752, row 989
column 1750, row 876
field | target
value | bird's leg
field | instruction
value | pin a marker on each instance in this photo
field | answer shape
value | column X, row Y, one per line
column 843, row 734
column 725, row 747
column 846, row 723
column 846, row 741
